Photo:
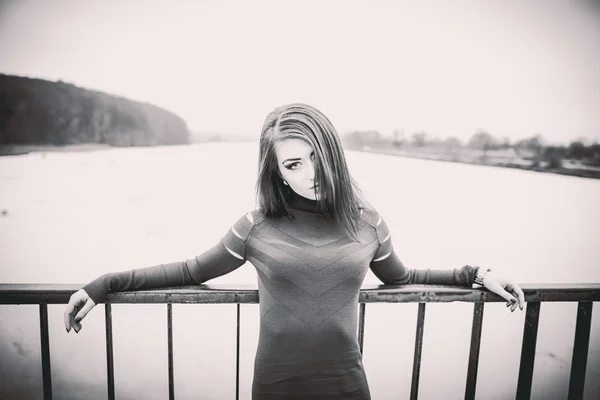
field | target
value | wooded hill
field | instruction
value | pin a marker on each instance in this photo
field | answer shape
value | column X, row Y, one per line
column 37, row 111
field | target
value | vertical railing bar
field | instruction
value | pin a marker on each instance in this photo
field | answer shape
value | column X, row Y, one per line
column 45, row 343
column 361, row 326
column 110, row 373
column 474, row 351
column 414, row 387
column 532, row 317
column 170, row 350
column 237, row 356
column 580, row 350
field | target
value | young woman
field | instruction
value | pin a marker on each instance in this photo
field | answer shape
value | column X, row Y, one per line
column 312, row 240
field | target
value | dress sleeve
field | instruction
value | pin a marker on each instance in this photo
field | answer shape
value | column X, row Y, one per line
column 390, row 270
column 226, row 256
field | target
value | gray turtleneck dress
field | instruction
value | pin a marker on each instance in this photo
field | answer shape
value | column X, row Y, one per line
column 309, row 276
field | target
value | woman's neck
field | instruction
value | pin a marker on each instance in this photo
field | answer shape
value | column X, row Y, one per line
column 298, row 202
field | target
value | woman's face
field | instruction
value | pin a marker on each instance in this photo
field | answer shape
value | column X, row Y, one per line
column 295, row 158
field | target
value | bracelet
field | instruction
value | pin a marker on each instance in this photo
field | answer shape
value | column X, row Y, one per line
column 479, row 276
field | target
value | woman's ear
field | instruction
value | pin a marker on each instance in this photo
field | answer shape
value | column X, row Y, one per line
column 279, row 175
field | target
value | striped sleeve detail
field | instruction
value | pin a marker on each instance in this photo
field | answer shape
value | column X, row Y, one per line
column 234, row 240
column 384, row 236
column 233, row 253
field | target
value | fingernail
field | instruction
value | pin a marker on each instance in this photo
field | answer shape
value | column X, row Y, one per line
column 78, row 319
column 66, row 329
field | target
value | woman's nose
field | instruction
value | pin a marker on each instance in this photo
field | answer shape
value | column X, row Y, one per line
column 310, row 170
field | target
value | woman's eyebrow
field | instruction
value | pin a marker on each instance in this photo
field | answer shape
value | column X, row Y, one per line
column 312, row 153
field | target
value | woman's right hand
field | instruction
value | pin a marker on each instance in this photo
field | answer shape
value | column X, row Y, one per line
column 79, row 305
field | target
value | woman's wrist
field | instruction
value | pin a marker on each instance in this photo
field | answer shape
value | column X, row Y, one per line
column 480, row 276
column 99, row 288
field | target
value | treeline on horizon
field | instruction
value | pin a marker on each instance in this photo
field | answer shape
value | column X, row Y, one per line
column 40, row 112
column 532, row 148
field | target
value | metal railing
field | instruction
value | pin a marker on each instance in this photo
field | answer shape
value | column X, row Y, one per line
column 535, row 294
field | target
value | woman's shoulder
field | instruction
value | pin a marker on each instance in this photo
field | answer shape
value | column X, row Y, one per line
column 373, row 219
column 243, row 227
column 370, row 215
column 252, row 217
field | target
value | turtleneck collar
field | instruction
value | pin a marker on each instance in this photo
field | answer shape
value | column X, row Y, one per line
column 303, row 204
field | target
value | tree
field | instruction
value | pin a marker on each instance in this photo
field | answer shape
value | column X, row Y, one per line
column 533, row 145
column 577, row 150
column 483, row 140
column 554, row 155
column 505, row 143
column 36, row 111
column 452, row 143
column 398, row 137
column 420, row 138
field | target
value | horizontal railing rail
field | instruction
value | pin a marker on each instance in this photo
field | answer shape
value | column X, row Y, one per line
column 49, row 293
column 535, row 294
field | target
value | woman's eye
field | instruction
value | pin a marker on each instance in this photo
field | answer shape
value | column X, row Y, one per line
column 293, row 165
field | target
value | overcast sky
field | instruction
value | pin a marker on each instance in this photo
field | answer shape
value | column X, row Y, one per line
column 511, row 67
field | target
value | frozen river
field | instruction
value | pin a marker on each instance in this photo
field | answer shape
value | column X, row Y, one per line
column 73, row 216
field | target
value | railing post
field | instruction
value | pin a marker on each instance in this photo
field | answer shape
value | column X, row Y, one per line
column 110, row 373
column 580, row 350
column 532, row 317
column 414, row 387
column 361, row 326
column 237, row 356
column 474, row 351
column 45, row 344
column 170, row 350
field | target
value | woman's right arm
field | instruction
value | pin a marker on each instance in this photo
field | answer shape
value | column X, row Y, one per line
column 224, row 257
column 215, row 262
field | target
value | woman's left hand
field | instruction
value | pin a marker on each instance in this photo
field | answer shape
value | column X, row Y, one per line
column 509, row 290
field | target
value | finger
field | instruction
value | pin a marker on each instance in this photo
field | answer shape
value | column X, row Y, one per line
column 517, row 292
column 516, row 302
column 76, row 325
column 499, row 290
column 521, row 296
column 89, row 304
column 73, row 323
column 75, row 304
column 69, row 310
column 511, row 301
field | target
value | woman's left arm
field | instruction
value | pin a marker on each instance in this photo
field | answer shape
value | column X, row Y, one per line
column 390, row 270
